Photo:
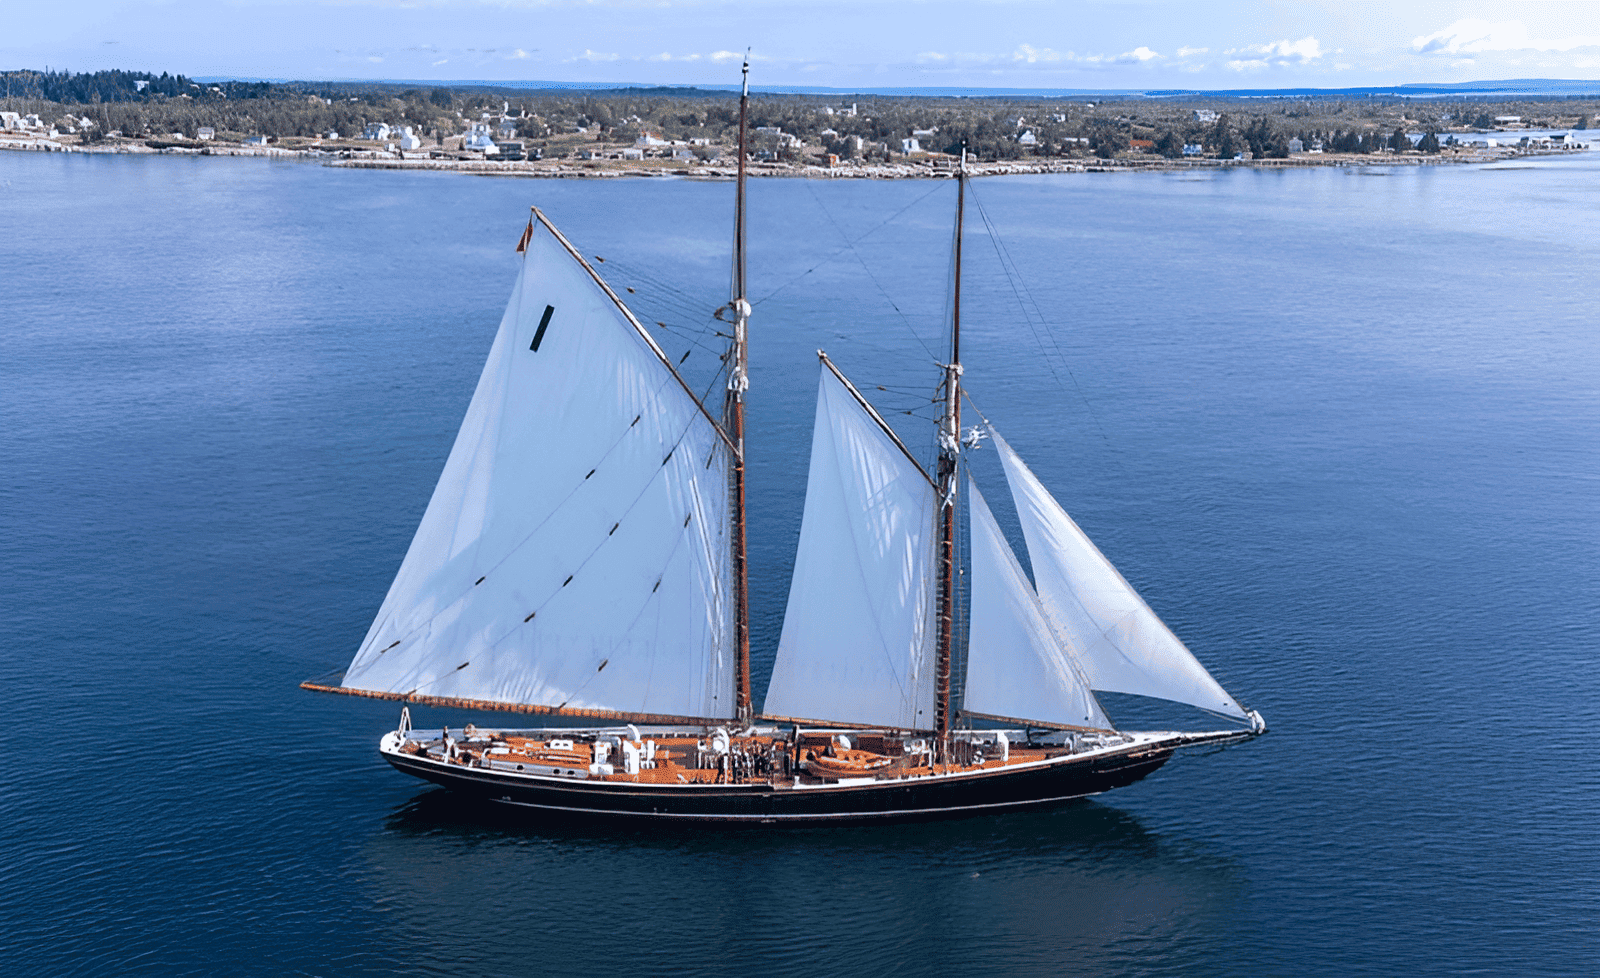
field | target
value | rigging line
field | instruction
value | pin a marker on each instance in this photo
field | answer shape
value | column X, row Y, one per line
column 548, row 517
column 1113, row 453
column 1019, row 288
column 849, row 245
column 695, row 341
column 862, row 261
column 577, row 570
column 691, row 310
column 643, row 274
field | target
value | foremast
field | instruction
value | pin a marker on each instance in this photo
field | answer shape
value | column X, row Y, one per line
column 949, row 457
column 733, row 413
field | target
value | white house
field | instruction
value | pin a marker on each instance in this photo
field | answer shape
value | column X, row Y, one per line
column 10, row 120
column 649, row 139
column 1316, row 146
column 633, row 153
column 205, row 132
column 1028, row 138
column 477, row 138
column 377, row 131
column 409, row 140
column 255, row 141
column 1193, row 149
column 910, row 145
column 1204, row 115
column 1296, row 146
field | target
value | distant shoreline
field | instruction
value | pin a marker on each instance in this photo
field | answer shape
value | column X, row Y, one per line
column 910, row 169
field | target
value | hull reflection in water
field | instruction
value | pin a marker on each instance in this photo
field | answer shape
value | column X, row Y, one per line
column 1083, row 888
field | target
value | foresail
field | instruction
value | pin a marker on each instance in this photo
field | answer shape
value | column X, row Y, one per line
column 575, row 553
column 1122, row 645
column 1015, row 665
column 857, row 641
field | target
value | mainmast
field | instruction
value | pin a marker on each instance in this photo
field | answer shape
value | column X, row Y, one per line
column 733, row 410
column 949, row 453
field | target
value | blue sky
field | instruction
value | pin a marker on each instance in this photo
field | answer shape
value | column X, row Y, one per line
column 834, row 43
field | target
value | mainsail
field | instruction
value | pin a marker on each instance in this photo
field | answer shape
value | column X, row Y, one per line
column 1097, row 615
column 575, row 554
column 857, row 642
column 1016, row 668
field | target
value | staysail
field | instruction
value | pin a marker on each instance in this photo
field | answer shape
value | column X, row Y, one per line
column 857, row 641
column 1016, row 668
column 575, row 553
column 1121, row 644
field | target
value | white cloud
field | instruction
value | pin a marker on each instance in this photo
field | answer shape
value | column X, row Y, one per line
column 375, row 59
column 663, row 56
column 931, row 56
column 1029, row 54
column 1473, row 36
column 441, row 61
column 1186, row 52
column 517, row 55
column 1277, row 54
column 593, row 56
column 720, row 56
column 1138, row 55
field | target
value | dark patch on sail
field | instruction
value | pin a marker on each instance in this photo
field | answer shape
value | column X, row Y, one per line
column 544, row 323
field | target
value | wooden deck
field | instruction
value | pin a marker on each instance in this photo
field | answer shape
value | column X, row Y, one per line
column 689, row 760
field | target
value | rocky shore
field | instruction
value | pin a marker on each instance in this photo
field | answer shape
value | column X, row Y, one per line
column 932, row 167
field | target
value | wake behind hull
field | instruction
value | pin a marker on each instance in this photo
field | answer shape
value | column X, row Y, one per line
column 911, row 799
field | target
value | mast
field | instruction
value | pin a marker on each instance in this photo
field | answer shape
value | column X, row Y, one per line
column 949, row 453
column 738, row 382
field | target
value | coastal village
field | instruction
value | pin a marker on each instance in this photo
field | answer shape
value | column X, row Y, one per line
column 689, row 132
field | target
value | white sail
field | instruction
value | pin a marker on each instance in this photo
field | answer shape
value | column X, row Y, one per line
column 1016, row 668
column 1113, row 634
column 576, row 550
column 858, row 638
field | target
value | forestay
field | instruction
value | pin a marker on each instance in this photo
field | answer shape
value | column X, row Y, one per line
column 1015, row 665
column 576, row 550
column 857, row 641
column 1097, row 615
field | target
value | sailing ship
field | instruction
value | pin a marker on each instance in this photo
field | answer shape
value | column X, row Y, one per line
column 583, row 557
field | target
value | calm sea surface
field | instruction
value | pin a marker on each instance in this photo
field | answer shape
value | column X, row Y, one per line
column 1342, row 427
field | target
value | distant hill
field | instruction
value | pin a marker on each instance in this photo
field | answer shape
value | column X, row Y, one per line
column 1521, row 87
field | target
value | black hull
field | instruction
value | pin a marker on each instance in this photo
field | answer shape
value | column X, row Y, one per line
column 912, row 799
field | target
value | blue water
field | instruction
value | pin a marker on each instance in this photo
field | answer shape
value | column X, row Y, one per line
column 1342, row 427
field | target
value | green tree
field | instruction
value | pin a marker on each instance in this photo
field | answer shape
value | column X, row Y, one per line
column 1223, row 141
column 1429, row 143
column 1399, row 141
column 1170, row 145
column 1109, row 143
